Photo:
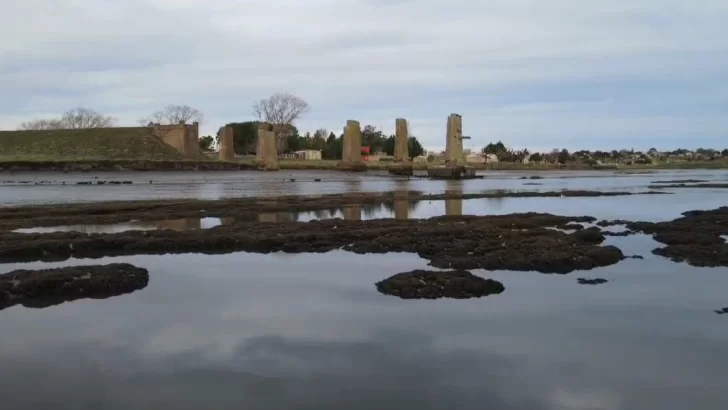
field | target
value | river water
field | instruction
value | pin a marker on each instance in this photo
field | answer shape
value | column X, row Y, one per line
column 310, row 331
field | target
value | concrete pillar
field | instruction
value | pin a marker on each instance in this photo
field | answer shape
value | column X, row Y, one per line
column 351, row 145
column 401, row 139
column 267, row 152
column 227, row 145
column 454, row 141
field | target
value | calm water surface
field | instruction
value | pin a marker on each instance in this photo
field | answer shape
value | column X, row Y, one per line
column 310, row 331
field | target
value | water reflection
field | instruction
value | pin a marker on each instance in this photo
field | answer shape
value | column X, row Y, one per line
column 182, row 224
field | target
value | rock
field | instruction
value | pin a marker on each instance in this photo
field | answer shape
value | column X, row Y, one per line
column 721, row 311
column 455, row 284
column 597, row 281
column 48, row 287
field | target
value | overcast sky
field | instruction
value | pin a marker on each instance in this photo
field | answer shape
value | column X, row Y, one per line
column 539, row 74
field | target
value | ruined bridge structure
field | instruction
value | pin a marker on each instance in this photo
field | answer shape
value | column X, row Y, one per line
column 267, row 152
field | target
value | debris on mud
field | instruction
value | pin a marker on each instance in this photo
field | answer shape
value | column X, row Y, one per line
column 695, row 238
column 681, row 181
column 422, row 284
column 48, row 287
column 596, row 281
column 713, row 185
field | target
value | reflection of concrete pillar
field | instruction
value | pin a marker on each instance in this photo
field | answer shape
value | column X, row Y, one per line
column 401, row 138
column 352, row 213
column 268, row 217
column 227, row 151
column 227, row 221
column 454, row 141
column 401, row 209
column 351, row 145
column 454, row 206
column 185, row 224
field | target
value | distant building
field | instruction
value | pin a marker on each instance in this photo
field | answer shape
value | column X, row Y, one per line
column 308, row 154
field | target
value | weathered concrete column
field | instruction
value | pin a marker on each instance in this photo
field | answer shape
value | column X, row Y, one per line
column 351, row 145
column 227, row 145
column 401, row 209
column 266, row 151
column 401, row 140
column 454, row 141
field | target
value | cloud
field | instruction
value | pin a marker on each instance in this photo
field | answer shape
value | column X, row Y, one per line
column 621, row 72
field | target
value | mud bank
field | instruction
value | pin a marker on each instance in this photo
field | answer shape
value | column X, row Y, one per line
column 239, row 209
column 422, row 284
column 695, row 238
column 521, row 242
column 48, row 287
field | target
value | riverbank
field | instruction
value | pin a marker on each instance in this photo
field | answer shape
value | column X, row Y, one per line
column 111, row 165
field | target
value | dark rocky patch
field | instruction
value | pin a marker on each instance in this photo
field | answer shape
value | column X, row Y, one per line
column 695, row 238
column 532, row 183
column 422, row 284
column 497, row 242
column 721, row 311
column 48, row 287
column 573, row 226
column 634, row 257
column 532, row 177
column 597, row 281
column 615, row 222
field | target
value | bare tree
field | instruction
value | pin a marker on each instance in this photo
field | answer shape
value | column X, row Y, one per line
column 174, row 114
column 85, row 118
column 41, row 125
column 72, row 119
column 280, row 110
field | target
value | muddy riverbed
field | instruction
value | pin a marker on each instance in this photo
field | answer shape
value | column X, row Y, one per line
column 250, row 305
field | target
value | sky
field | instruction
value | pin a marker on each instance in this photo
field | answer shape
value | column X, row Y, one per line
column 537, row 74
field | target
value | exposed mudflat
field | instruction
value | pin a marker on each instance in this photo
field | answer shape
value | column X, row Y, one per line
column 48, row 287
column 422, row 284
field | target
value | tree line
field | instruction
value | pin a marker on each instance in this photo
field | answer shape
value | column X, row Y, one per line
column 564, row 156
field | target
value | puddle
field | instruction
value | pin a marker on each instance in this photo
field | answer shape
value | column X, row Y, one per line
column 725, row 238
column 185, row 224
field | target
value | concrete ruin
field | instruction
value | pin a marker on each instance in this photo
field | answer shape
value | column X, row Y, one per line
column 266, row 153
column 401, row 141
column 351, row 145
column 182, row 137
column 227, row 145
column 454, row 142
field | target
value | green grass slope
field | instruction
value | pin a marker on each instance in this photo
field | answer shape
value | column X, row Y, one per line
column 84, row 144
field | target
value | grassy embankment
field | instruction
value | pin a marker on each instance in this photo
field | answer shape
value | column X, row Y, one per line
column 132, row 148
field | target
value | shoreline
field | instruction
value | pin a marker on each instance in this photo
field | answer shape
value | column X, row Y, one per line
column 107, row 165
